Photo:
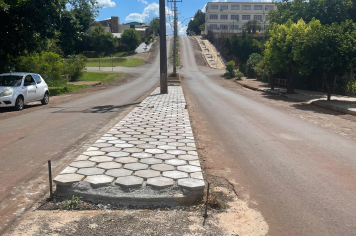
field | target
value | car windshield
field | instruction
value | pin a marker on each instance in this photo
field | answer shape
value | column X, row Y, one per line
column 10, row 80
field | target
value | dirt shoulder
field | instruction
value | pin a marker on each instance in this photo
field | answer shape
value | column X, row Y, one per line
column 6, row 113
column 149, row 56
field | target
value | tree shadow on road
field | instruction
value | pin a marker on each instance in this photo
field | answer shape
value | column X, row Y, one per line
column 97, row 109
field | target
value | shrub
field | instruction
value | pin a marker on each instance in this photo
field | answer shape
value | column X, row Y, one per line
column 239, row 74
column 252, row 61
column 261, row 71
column 74, row 65
column 230, row 70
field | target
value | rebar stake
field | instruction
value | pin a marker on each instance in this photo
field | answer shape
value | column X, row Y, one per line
column 50, row 181
column 206, row 204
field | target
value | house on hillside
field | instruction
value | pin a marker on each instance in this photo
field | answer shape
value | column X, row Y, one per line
column 113, row 25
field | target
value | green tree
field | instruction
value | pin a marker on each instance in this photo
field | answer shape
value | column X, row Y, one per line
column 242, row 47
column 195, row 23
column 252, row 61
column 131, row 38
column 252, row 26
column 155, row 26
column 327, row 11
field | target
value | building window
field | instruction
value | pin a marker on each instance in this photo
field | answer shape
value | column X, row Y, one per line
column 234, row 27
column 224, row 7
column 257, row 17
column 214, row 7
column 224, row 27
column 269, row 7
column 214, row 16
column 223, row 17
column 246, row 17
column 234, row 17
column 213, row 27
column 235, row 7
column 257, row 7
column 246, row 7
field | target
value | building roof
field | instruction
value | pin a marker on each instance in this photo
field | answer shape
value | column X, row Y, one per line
column 134, row 23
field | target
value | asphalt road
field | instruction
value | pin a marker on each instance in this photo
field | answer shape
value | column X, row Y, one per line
column 299, row 176
column 58, row 134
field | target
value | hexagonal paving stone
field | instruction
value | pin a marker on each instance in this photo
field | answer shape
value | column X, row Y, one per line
column 102, row 145
column 149, row 139
column 136, row 166
column 126, row 160
column 192, row 184
column 111, row 149
column 154, row 151
column 129, row 139
column 194, row 163
column 141, row 155
column 117, row 142
column 176, row 152
column 82, row 164
column 82, row 158
column 158, row 143
column 94, row 153
column 165, row 156
column 147, row 173
column 137, row 142
column 124, row 145
column 176, row 162
column 119, row 172
column 189, row 168
column 118, row 154
column 100, row 141
column 129, row 181
column 92, row 149
column 109, row 165
column 91, row 171
column 151, row 161
column 197, row 175
column 68, row 179
column 175, row 174
column 99, row 159
column 146, row 146
column 99, row 180
column 188, row 157
column 176, row 144
column 160, row 182
column 192, row 153
column 167, row 147
column 69, row 170
column 168, row 140
column 162, row 167
column 188, row 149
column 133, row 150
column 108, row 138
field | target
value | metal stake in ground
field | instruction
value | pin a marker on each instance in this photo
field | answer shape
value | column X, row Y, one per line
column 163, row 49
column 50, row 180
column 206, row 204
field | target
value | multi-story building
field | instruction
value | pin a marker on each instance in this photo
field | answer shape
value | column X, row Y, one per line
column 231, row 16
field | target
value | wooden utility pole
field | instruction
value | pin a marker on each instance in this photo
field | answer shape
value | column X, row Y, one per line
column 163, row 47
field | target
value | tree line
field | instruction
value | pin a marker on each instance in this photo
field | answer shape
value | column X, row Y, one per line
column 310, row 43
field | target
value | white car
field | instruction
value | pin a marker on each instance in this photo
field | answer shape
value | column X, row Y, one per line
column 16, row 89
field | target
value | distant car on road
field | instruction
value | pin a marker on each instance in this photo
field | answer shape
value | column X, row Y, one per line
column 19, row 88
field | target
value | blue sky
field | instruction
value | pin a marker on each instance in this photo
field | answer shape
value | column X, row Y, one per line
column 146, row 10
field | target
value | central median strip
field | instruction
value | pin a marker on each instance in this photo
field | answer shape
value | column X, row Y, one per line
column 149, row 157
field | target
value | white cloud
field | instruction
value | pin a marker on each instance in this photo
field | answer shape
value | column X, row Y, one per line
column 143, row 1
column 152, row 11
column 106, row 3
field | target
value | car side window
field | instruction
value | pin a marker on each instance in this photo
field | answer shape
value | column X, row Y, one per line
column 29, row 81
column 37, row 78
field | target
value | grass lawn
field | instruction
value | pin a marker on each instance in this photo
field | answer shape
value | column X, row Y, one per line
column 104, row 77
column 55, row 91
column 118, row 61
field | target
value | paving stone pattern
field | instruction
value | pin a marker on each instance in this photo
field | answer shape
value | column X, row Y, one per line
column 152, row 146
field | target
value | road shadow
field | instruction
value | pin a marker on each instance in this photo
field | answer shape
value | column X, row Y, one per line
column 96, row 109
column 11, row 109
column 302, row 105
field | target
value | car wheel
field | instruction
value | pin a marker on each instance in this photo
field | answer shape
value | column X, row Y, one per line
column 45, row 99
column 19, row 104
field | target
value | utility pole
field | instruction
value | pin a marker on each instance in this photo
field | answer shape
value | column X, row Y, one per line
column 175, row 34
column 163, row 46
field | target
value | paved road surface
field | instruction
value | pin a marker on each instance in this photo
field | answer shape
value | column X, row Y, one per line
column 301, row 177
column 28, row 141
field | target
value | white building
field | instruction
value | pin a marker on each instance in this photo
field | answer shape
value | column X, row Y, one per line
column 231, row 16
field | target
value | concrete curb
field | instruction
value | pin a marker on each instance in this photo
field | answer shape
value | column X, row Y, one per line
column 317, row 103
